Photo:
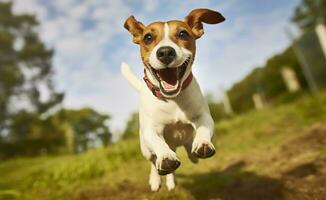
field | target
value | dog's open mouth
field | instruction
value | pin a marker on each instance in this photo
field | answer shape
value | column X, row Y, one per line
column 170, row 78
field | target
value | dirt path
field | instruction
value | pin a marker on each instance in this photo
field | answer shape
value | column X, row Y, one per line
column 294, row 171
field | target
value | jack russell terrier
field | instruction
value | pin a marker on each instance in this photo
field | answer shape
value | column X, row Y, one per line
column 172, row 106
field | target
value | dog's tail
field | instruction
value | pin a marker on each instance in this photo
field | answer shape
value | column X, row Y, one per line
column 130, row 76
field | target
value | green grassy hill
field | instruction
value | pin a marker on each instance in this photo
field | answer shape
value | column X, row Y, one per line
column 277, row 153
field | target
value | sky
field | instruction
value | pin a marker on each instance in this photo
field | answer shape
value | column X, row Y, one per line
column 90, row 43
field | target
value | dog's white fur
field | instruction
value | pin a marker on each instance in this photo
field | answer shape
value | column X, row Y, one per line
column 165, row 125
column 181, row 55
column 181, row 52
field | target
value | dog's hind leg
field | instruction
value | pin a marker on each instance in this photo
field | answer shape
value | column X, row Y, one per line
column 169, row 181
column 191, row 156
column 154, row 178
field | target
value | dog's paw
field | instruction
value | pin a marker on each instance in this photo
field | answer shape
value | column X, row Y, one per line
column 170, row 185
column 167, row 164
column 155, row 185
column 193, row 158
column 203, row 149
column 154, row 180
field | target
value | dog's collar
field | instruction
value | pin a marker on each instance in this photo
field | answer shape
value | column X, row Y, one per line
column 156, row 90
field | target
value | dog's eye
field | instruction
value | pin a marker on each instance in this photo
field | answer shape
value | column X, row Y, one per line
column 184, row 35
column 148, row 38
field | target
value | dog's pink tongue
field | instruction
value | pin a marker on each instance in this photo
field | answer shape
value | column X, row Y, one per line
column 169, row 76
column 167, row 85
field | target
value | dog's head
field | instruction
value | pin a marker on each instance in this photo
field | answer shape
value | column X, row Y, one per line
column 168, row 48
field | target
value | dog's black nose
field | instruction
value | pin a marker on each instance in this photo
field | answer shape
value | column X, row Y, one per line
column 166, row 54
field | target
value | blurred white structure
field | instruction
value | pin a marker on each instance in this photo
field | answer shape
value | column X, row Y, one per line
column 303, row 62
column 321, row 33
column 290, row 79
column 226, row 102
column 258, row 101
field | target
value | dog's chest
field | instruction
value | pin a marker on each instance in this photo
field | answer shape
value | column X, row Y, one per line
column 166, row 112
column 178, row 134
column 183, row 109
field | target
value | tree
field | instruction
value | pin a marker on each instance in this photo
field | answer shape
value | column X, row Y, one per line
column 30, row 120
column 132, row 127
column 25, row 67
column 83, row 128
column 26, row 85
column 266, row 80
column 65, row 131
column 309, row 13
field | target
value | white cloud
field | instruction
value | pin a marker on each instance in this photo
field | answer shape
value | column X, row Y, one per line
column 80, row 69
column 30, row 6
column 111, row 96
column 90, row 43
column 79, row 11
column 151, row 5
column 232, row 50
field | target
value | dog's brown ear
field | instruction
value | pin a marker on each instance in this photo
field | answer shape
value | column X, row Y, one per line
column 195, row 18
column 135, row 28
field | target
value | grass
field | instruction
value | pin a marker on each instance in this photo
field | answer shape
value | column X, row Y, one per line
column 54, row 177
column 251, row 160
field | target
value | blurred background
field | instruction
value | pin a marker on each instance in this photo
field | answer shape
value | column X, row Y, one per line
column 69, row 121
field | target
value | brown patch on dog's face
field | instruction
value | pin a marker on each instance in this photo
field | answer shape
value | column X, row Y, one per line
column 151, row 36
column 181, row 34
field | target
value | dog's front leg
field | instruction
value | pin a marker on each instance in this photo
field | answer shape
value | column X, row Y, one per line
column 165, row 159
column 202, row 146
column 170, row 183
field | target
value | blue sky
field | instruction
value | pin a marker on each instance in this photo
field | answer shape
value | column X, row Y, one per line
column 90, row 43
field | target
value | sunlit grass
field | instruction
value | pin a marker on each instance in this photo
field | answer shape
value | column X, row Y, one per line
column 104, row 172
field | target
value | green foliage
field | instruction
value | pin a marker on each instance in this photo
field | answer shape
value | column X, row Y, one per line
column 62, row 132
column 309, row 12
column 29, row 124
column 266, row 80
column 216, row 109
column 32, row 135
column 309, row 45
column 87, row 126
column 132, row 127
column 24, row 68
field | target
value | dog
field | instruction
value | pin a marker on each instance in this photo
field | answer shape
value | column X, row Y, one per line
column 172, row 107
